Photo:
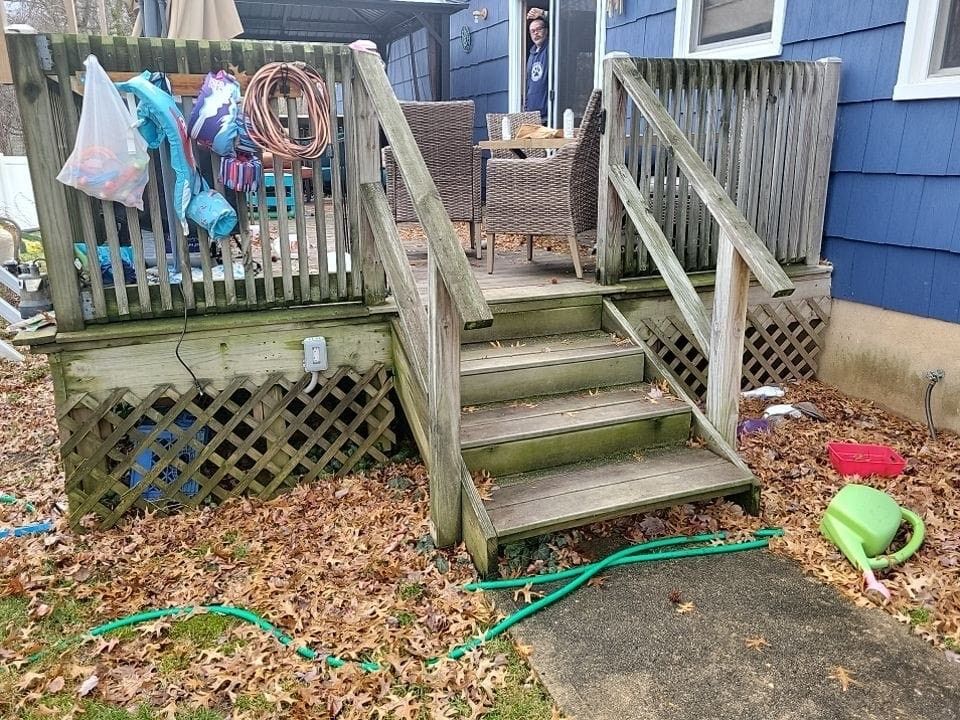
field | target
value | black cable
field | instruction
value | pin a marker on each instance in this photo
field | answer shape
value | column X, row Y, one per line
column 933, row 377
column 180, row 340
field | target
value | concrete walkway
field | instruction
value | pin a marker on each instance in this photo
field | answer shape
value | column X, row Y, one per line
column 622, row 651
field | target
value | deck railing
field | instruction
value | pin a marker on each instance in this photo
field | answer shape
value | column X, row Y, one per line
column 764, row 129
column 47, row 75
column 431, row 337
column 683, row 184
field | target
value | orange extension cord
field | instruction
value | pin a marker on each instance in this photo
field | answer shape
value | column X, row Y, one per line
column 266, row 128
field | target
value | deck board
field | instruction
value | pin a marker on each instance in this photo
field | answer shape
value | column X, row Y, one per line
column 569, row 496
column 508, row 422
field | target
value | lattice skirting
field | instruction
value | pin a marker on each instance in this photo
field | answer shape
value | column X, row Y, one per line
column 170, row 449
column 782, row 342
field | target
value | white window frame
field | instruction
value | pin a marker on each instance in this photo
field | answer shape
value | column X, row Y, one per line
column 746, row 49
column 517, row 54
column 914, row 80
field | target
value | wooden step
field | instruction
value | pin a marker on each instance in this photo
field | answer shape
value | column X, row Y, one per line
column 539, row 316
column 524, row 435
column 572, row 495
column 498, row 371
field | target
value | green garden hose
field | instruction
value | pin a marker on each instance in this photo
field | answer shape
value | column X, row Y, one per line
column 581, row 575
column 11, row 500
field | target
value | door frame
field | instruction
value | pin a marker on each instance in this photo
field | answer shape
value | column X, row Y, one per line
column 516, row 53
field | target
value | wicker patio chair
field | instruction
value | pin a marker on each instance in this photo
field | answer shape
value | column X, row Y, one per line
column 495, row 132
column 547, row 196
column 444, row 134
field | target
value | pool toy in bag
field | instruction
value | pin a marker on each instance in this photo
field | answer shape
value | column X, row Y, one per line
column 109, row 160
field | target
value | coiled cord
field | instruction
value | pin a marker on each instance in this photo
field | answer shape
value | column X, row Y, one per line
column 266, row 128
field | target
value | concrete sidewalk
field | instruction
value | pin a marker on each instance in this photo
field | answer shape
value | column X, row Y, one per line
column 622, row 650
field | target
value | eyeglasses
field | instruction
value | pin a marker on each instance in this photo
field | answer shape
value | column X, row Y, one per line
column 537, row 30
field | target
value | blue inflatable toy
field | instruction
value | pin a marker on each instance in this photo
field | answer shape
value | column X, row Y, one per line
column 161, row 120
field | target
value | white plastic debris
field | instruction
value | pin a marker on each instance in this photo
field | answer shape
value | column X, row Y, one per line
column 766, row 391
column 784, row 410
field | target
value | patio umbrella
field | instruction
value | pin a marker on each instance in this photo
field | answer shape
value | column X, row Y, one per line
column 189, row 19
column 203, row 19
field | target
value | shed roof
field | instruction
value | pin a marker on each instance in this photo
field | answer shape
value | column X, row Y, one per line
column 339, row 20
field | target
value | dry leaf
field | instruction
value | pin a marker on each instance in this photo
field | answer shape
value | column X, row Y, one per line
column 597, row 581
column 87, row 686
column 842, row 676
column 757, row 643
column 526, row 593
column 55, row 685
column 687, row 607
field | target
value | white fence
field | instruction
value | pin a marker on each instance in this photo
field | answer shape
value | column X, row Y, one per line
column 16, row 192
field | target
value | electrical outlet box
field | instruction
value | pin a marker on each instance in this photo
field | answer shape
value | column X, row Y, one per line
column 314, row 354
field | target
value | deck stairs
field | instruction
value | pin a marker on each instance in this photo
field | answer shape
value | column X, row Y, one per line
column 574, row 425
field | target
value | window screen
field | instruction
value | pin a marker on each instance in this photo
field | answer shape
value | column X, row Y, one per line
column 721, row 21
column 946, row 50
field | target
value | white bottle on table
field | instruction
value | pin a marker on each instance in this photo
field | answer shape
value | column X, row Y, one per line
column 568, row 123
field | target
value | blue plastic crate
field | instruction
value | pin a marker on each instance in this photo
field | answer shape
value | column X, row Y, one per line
column 148, row 457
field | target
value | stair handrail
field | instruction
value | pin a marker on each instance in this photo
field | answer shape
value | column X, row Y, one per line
column 454, row 302
column 740, row 248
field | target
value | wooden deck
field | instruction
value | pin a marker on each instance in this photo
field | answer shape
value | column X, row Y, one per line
column 551, row 268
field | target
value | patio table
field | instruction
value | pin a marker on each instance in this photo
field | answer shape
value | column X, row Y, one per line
column 519, row 145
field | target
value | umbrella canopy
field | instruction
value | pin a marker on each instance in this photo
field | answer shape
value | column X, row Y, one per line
column 190, row 19
column 203, row 19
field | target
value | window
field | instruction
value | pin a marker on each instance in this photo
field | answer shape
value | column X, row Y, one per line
column 729, row 28
column 930, row 57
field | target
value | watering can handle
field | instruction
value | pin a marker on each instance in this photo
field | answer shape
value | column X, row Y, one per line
column 918, row 530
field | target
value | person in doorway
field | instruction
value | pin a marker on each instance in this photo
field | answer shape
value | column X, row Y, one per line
column 538, row 63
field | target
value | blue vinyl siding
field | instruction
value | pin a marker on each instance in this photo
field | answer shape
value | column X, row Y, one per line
column 892, row 228
column 481, row 75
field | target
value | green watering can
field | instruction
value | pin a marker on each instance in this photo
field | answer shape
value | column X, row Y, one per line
column 862, row 522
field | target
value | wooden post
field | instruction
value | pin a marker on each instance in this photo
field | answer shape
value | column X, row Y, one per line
column 70, row 8
column 102, row 17
column 5, row 76
column 366, row 144
column 828, row 72
column 40, row 136
column 609, row 207
column 443, row 391
column 726, row 340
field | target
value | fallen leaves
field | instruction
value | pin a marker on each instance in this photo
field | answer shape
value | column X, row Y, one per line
column 685, row 607
column 326, row 563
column 527, row 593
column 757, row 642
column 843, row 676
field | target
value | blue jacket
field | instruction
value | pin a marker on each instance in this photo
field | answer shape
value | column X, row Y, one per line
column 538, row 70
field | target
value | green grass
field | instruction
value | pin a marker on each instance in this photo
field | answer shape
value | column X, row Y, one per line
column 173, row 662
column 518, row 699
column 257, row 704
column 411, row 591
column 405, row 618
column 33, row 375
column 13, row 613
column 203, row 630
column 99, row 711
column 919, row 616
